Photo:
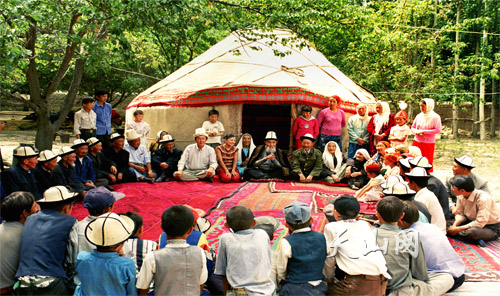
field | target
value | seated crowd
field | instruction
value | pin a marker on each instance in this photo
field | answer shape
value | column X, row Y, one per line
column 46, row 251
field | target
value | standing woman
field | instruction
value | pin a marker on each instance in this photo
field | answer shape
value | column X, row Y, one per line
column 426, row 126
column 227, row 157
column 331, row 121
column 380, row 125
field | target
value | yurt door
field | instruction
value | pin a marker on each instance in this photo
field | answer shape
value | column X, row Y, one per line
column 257, row 120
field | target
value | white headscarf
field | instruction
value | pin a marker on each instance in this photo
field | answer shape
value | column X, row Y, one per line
column 240, row 147
column 328, row 158
column 381, row 119
column 429, row 113
column 158, row 134
column 365, row 153
column 364, row 117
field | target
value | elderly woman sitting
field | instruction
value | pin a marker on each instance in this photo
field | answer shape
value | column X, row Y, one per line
column 333, row 163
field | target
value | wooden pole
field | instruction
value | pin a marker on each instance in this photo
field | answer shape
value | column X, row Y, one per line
column 455, row 107
column 293, row 116
column 482, row 86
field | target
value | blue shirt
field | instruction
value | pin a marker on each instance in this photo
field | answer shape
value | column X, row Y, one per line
column 439, row 254
column 103, row 119
column 105, row 274
column 84, row 170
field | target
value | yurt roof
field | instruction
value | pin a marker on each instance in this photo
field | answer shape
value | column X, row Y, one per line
column 247, row 70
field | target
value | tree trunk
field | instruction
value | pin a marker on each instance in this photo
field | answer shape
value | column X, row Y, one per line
column 45, row 132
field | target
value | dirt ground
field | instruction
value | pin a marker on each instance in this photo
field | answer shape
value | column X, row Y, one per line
column 486, row 155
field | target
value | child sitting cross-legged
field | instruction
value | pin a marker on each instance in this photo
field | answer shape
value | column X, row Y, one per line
column 103, row 271
column 302, row 254
column 371, row 191
column 244, row 256
column 353, row 248
column 404, row 254
column 179, row 268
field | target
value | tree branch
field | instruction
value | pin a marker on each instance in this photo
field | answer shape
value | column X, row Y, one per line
column 69, row 100
column 16, row 100
column 69, row 54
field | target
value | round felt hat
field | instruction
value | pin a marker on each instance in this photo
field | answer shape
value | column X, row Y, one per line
column 24, row 152
column 115, row 136
column 420, row 161
column 465, row 161
column 65, row 150
column 78, row 143
column 418, row 172
column 391, row 157
column 398, row 189
column 405, row 162
column 271, row 136
column 200, row 132
column 166, row 139
column 269, row 221
column 131, row 135
column 93, row 141
column 46, row 155
column 57, row 194
column 109, row 230
column 308, row 137
column 391, row 180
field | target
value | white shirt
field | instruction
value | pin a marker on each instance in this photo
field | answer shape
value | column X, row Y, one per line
column 353, row 246
column 430, row 200
column 194, row 158
column 148, row 268
column 216, row 127
column 84, row 120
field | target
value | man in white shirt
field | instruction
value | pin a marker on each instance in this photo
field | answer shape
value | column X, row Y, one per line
column 139, row 158
column 417, row 180
column 85, row 120
column 198, row 161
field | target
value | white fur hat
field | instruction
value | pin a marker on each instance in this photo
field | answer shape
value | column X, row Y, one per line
column 465, row 161
column 93, row 141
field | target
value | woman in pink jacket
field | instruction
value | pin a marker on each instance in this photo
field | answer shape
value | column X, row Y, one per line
column 426, row 126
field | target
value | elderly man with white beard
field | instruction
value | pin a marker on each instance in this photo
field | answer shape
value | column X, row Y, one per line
column 267, row 161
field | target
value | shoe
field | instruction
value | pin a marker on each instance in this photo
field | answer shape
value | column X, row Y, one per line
column 329, row 180
column 161, row 178
column 210, row 180
column 354, row 187
column 149, row 180
column 481, row 243
column 109, row 188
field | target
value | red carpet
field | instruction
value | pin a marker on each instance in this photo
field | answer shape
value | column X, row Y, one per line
column 150, row 200
column 479, row 264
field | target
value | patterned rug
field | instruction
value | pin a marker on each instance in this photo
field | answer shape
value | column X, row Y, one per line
column 150, row 200
column 480, row 263
column 259, row 197
column 218, row 218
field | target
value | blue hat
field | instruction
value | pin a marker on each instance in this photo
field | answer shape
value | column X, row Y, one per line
column 297, row 213
column 100, row 198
